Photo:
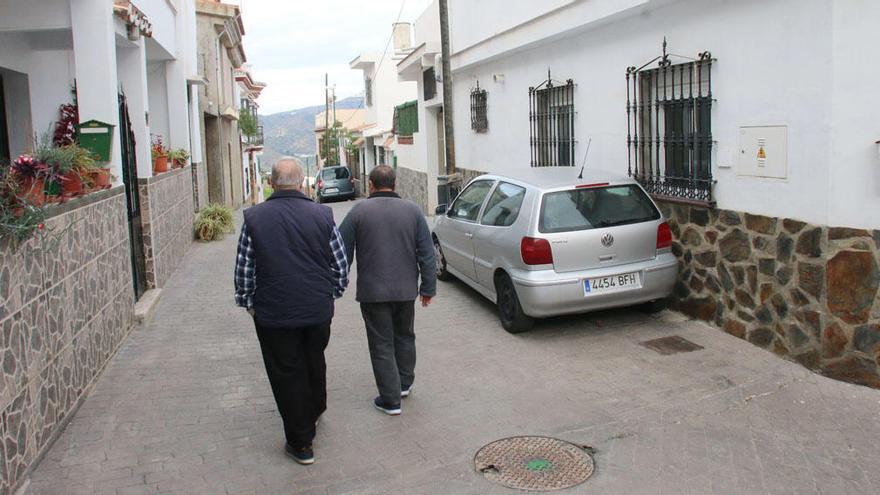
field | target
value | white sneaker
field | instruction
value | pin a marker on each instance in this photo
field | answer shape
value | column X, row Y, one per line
column 405, row 393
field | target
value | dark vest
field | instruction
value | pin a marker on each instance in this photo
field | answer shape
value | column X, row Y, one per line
column 290, row 236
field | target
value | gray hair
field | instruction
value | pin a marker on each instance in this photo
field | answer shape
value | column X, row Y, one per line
column 287, row 173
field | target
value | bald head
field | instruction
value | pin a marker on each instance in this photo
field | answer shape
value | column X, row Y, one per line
column 287, row 173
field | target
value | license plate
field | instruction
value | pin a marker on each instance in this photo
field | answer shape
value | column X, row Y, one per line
column 611, row 283
column 331, row 190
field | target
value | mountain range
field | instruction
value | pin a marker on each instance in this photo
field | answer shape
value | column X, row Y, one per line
column 293, row 132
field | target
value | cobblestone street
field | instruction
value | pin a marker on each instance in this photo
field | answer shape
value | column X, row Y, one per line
column 185, row 406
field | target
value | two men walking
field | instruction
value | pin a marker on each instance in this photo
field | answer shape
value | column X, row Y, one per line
column 293, row 262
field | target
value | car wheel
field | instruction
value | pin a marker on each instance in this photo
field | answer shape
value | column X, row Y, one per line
column 509, row 310
column 654, row 306
column 440, row 263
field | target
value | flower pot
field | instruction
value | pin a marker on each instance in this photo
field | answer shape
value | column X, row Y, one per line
column 179, row 163
column 160, row 165
column 52, row 189
column 32, row 191
column 71, row 184
column 101, row 178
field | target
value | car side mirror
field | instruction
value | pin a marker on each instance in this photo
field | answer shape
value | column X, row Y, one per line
column 440, row 210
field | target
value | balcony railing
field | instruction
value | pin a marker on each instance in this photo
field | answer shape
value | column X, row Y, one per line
column 256, row 139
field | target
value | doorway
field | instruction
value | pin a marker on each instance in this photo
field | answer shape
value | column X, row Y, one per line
column 4, row 130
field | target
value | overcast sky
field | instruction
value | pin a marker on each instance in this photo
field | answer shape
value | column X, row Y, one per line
column 292, row 43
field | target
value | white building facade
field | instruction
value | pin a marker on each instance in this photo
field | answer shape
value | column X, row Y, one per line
column 755, row 122
column 382, row 93
column 422, row 159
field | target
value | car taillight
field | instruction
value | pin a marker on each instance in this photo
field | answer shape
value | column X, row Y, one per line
column 535, row 251
column 664, row 236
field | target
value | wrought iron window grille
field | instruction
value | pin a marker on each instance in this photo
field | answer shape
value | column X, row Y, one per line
column 429, row 83
column 479, row 117
column 551, row 123
column 669, row 127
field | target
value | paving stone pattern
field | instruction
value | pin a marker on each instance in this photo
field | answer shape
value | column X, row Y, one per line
column 806, row 292
column 167, row 219
column 65, row 306
column 185, row 406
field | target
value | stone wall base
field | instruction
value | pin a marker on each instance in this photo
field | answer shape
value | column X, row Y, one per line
column 413, row 185
column 805, row 292
column 167, row 206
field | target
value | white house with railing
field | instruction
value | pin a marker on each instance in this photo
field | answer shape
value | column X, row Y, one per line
column 754, row 123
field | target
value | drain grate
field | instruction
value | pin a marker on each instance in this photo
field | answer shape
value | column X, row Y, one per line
column 671, row 345
column 534, row 463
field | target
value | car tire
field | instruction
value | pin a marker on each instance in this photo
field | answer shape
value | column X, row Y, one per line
column 440, row 263
column 510, row 312
column 654, row 306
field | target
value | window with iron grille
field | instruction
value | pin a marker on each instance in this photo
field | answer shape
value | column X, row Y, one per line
column 429, row 81
column 669, row 127
column 551, row 129
column 368, row 91
column 479, row 119
column 406, row 118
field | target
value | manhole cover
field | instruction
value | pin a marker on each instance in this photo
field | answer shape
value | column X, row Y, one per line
column 671, row 345
column 534, row 463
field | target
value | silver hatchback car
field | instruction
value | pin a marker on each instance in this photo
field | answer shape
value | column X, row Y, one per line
column 554, row 244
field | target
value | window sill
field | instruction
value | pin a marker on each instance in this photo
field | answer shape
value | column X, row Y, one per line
column 683, row 201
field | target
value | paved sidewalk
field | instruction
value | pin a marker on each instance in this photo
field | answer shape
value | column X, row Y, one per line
column 185, row 407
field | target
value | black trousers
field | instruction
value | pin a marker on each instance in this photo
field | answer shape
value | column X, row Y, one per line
column 392, row 342
column 294, row 359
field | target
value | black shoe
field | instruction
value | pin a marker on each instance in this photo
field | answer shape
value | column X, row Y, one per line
column 303, row 455
column 392, row 410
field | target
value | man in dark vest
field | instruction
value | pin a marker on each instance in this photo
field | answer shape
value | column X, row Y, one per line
column 291, row 265
column 394, row 249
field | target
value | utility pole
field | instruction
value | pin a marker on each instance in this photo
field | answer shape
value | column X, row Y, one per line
column 447, row 88
column 335, row 130
column 326, row 116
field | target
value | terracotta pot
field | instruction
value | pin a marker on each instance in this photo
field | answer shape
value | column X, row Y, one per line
column 71, row 184
column 101, row 178
column 32, row 191
column 160, row 165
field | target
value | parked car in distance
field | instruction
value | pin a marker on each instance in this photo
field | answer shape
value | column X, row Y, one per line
column 553, row 244
column 334, row 183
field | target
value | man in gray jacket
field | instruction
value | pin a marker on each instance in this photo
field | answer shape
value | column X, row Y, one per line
column 394, row 248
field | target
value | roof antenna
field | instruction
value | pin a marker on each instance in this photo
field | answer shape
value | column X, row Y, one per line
column 581, row 175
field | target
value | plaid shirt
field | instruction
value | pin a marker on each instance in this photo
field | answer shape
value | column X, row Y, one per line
column 245, row 268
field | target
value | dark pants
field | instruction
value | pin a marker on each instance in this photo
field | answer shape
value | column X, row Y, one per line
column 294, row 359
column 392, row 346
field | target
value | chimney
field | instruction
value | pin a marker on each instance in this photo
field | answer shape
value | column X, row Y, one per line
column 402, row 32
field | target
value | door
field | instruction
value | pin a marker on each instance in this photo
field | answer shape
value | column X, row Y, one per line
column 493, row 237
column 129, row 177
column 457, row 242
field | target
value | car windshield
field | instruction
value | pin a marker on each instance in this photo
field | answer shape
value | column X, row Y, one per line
column 595, row 207
column 336, row 173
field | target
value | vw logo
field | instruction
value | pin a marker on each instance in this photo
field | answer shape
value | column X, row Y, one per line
column 607, row 239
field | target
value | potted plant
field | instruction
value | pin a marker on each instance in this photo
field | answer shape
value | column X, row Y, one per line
column 30, row 176
column 90, row 171
column 18, row 218
column 63, row 170
column 160, row 156
column 178, row 157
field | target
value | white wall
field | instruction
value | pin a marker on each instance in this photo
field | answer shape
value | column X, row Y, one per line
column 786, row 75
column 162, row 16
column 157, row 85
column 426, row 27
column 18, row 15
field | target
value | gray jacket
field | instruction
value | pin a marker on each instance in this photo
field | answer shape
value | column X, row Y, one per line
column 393, row 245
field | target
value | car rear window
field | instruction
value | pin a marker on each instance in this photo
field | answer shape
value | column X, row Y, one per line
column 335, row 173
column 595, row 207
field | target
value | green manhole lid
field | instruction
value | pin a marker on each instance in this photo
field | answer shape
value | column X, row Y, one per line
column 534, row 463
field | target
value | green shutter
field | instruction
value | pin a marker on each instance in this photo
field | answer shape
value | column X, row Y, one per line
column 407, row 118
